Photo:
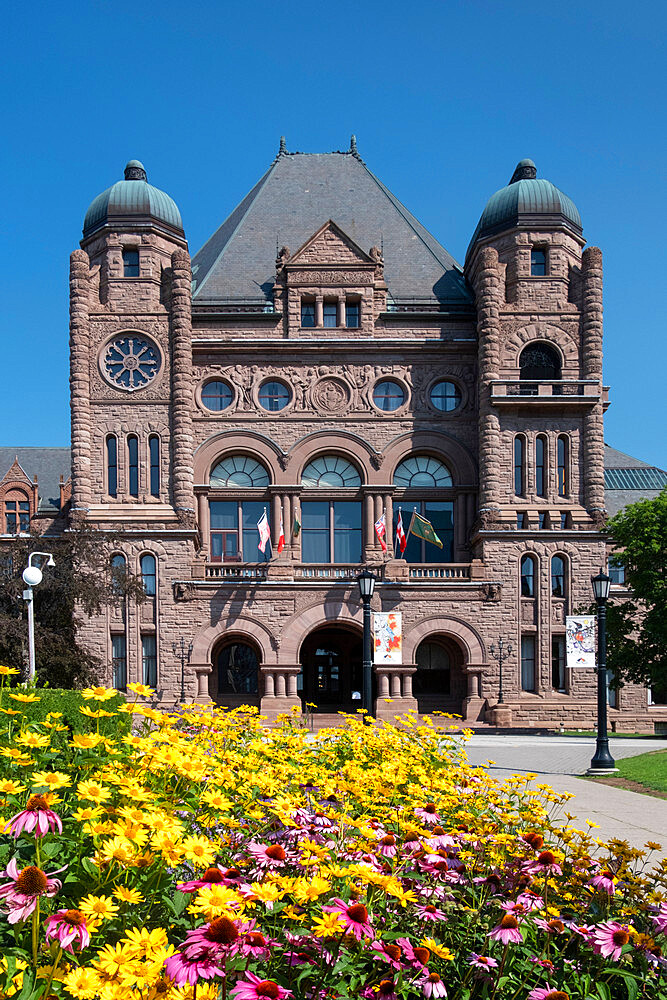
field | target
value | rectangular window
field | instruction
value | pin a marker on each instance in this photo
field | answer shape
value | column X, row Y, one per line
column 538, row 263
column 330, row 314
column 351, row 314
column 331, row 531
column 346, row 516
column 307, row 314
column 119, row 662
column 441, row 516
column 616, row 571
column 149, row 660
column 558, row 663
column 154, row 453
column 234, row 534
column 521, row 521
column 130, row 263
column 542, row 520
column 315, row 540
column 11, row 519
column 563, row 519
column 133, row 464
column 527, row 662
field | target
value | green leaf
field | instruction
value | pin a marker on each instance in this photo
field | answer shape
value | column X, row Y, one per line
column 603, row 991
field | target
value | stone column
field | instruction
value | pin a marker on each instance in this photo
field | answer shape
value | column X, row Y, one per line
column 79, row 380
column 280, row 688
column 593, row 431
column 182, row 441
column 288, row 522
column 319, row 311
column 340, row 311
column 277, row 506
column 369, row 531
column 202, row 671
column 489, row 296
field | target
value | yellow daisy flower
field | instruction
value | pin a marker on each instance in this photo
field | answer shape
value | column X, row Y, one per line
column 126, row 895
column 99, row 907
column 53, row 780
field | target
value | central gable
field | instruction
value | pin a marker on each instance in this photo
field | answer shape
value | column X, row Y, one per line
column 330, row 245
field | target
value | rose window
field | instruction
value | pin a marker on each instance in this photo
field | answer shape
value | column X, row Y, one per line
column 131, row 362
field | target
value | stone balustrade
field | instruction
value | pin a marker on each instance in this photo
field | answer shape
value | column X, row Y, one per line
column 279, row 686
column 394, row 691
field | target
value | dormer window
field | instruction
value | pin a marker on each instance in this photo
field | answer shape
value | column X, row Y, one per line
column 351, row 315
column 130, row 263
column 17, row 515
column 307, row 313
column 538, row 262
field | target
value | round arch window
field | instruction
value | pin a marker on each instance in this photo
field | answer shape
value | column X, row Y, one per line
column 216, row 395
column 434, row 665
column 274, row 395
column 445, row 396
column 240, row 471
column 330, row 471
column 388, row 395
column 540, row 362
column 238, row 669
column 422, row 470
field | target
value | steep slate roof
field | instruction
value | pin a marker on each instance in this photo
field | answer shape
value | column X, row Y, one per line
column 628, row 480
column 48, row 464
column 298, row 193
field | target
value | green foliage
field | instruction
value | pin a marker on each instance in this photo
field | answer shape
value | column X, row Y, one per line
column 69, row 703
column 637, row 628
column 648, row 769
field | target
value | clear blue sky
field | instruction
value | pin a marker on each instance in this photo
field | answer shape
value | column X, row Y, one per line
column 444, row 97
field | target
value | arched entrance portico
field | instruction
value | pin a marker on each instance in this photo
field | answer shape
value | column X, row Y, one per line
column 331, row 668
column 439, row 682
column 235, row 677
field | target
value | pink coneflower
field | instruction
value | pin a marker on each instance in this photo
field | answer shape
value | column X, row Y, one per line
column 439, row 839
column 546, row 861
column 354, row 915
column 530, row 900
column 660, row 918
column 36, row 816
column 548, row 993
column 215, row 940
column 254, row 943
column 389, row 952
column 433, row 986
column 482, row 961
column 544, row 963
column 428, row 813
column 68, row 927
column 430, row 912
column 510, row 906
column 604, row 880
column 507, row 930
column 581, row 929
column 609, row 939
column 27, row 885
column 254, row 988
column 183, row 970
column 551, row 926
column 384, row 991
column 387, row 846
column 212, row 876
column 417, row 956
column 268, row 855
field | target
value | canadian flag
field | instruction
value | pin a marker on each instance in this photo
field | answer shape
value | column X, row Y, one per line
column 281, row 537
column 264, row 531
column 381, row 531
column 400, row 534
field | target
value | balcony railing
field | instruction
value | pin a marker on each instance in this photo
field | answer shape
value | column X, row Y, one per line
column 339, row 571
column 439, row 571
column 335, row 572
column 236, row 571
column 568, row 392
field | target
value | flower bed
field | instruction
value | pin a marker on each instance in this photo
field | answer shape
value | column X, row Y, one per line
column 206, row 857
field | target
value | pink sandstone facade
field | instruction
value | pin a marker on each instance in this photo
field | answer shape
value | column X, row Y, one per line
column 192, row 412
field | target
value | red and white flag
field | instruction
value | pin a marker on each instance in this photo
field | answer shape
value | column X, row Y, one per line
column 281, row 536
column 381, row 530
column 401, row 538
column 264, row 531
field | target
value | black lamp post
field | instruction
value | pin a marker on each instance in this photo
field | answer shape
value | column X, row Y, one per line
column 366, row 581
column 603, row 760
column 183, row 652
column 500, row 654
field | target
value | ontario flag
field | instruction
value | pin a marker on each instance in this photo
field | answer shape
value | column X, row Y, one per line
column 381, row 530
column 281, row 536
column 264, row 531
column 401, row 537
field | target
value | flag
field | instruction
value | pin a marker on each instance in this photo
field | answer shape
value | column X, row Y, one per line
column 296, row 527
column 281, row 537
column 381, row 530
column 422, row 528
column 264, row 531
column 401, row 537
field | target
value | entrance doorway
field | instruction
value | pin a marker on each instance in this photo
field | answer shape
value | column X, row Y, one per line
column 439, row 682
column 234, row 680
column 331, row 672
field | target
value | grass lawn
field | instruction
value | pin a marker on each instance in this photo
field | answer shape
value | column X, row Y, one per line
column 612, row 736
column 648, row 770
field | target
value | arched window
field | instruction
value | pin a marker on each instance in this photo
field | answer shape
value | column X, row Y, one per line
column 563, row 456
column 133, row 464
column 330, row 471
column 540, row 363
column 154, row 455
column 433, row 674
column 519, row 465
column 118, row 575
column 16, row 513
column 527, row 576
column 422, row 470
column 240, row 471
column 112, row 465
column 558, row 576
column 148, row 574
column 238, row 669
column 540, row 465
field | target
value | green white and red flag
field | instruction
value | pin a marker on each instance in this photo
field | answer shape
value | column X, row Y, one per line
column 422, row 528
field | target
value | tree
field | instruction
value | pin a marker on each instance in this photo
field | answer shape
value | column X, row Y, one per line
column 81, row 582
column 637, row 626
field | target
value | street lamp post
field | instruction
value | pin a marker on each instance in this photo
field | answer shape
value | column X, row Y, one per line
column 183, row 652
column 366, row 581
column 32, row 577
column 602, row 762
column 500, row 654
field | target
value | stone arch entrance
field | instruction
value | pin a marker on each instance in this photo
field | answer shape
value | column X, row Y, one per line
column 331, row 668
column 440, row 681
column 235, row 676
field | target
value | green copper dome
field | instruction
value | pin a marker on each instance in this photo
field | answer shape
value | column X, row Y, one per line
column 132, row 201
column 527, row 201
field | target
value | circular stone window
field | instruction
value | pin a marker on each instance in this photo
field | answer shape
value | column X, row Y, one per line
column 216, row 395
column 388, row 395
column 445, row 396
column 274, row 396
column 131, row 362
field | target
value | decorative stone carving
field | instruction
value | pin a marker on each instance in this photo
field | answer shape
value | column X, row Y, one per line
column 130, row 362
column 184, row 591
column 377, row 458
column 491, row 591
column 330, row 395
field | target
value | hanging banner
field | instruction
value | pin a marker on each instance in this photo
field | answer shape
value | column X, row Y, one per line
column 388, row 636
column 580, row 641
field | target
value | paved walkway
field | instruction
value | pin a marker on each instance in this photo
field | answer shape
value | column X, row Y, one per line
column 557, row 760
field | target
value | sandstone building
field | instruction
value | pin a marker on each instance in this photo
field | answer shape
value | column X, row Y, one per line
column 325, row 359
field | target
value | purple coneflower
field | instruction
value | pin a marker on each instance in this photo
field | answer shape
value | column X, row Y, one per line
column 254, row 988
column 546, row 861
column 660, row 918
column 507, row 930
column 548, row 993
column 215, row 940
column 604, row 880
column 428, row 813
column 36, row 816
column 609, row 939
column 254, row 943
column 68, row 927
column 268, row 855
column 530, row 900
column 418, row 955
column 354, row 916
column 551, row 926
column 482, row 961
column 183, row 970
column 387, row 846
column 388, row 952
column 212, row 876
column 433, row 986
column 384, row 991
column 430, row 912
column 27, row 885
